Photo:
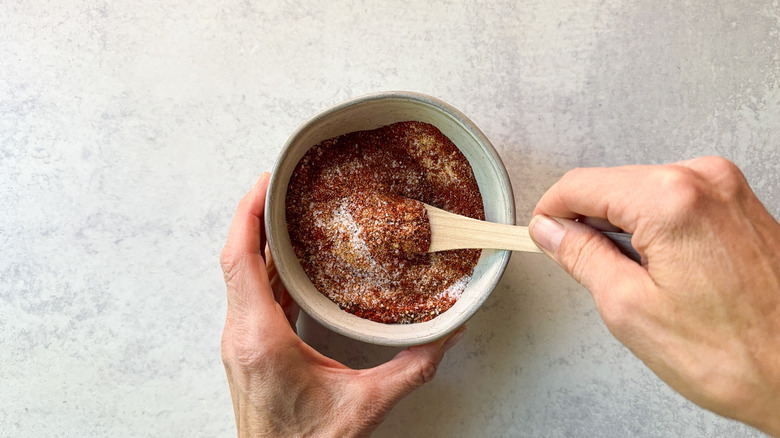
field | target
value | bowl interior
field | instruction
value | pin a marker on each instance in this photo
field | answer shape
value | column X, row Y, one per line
column 370, row 112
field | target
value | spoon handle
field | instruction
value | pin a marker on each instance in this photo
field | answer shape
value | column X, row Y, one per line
column 452, row 231
column 623, row 242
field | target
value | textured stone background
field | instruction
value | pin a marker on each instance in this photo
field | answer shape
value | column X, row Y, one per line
column 129, row 131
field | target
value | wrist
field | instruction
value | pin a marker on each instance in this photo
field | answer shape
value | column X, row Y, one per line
column 770, row 426
column 769, row 423
column 254, row 421
column 251, row 421
column 760, row 405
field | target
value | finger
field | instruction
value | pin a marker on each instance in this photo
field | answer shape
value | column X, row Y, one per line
column 590, row 258
column 246, row 231
column 281, row 295
column 291, row 309
column 409, row 369
column 276, row 283
column 242, row 263
column 598, row 192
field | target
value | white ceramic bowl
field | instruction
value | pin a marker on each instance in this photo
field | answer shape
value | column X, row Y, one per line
column 370, row 112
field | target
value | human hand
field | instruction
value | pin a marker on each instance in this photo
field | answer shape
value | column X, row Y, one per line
column 703, row 309
column 280, row 386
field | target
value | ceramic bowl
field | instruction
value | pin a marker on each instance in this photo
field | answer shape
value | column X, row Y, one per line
column 370, row 112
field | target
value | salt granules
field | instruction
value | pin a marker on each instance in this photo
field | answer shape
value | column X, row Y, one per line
column 344, row 203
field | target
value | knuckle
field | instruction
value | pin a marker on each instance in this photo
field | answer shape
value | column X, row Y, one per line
column 226, row 359
column 425, row 373
column 726, row 178
column 683, row 189
column 247, row 357
column 710, row 179
column 230, row 264
column 719, row 165
column 242, row 347
column 225, row 350
column 226, row 258
column 248, row 354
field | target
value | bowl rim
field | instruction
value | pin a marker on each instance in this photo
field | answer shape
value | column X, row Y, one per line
column 487, row 148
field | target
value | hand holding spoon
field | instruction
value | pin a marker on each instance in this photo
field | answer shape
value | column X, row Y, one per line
column 453, row 231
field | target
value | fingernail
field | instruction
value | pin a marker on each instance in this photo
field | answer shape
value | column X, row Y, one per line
column 454, row 338
column 547, row 232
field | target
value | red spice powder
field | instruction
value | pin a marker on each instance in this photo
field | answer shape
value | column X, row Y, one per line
column 344, row 216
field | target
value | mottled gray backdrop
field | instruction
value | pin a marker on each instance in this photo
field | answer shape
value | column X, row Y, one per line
column 129, row 131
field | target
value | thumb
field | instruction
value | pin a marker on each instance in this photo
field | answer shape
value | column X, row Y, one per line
column 410, row 369
column 586, row 254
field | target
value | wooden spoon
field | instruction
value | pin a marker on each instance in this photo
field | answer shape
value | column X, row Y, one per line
column 453, row 231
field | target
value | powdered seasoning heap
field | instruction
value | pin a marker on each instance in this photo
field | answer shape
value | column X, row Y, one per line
column 343, row 206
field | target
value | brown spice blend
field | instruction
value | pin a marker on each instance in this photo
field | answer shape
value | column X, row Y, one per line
column 342, row 206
